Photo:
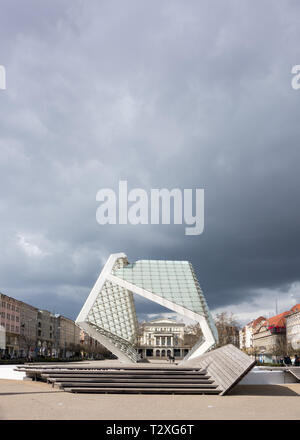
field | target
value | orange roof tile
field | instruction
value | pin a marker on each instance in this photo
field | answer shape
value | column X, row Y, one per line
column 258, row 320
column 277, row 320
column 296, row 308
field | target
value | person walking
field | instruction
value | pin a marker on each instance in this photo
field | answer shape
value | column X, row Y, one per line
column 297, row 361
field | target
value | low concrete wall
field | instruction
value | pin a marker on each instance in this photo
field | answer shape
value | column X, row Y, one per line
column 7, row 372
column 259, row 376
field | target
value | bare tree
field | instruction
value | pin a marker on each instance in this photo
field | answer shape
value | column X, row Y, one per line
column 192, row 334
column 279, row 349
column 27, row 342
column 228, row 329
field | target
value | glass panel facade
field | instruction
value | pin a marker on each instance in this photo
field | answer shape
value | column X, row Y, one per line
column 110, row 308
column 172, row 280
column 114, row 312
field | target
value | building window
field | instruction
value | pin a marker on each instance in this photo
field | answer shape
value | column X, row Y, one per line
column 8, row 316
column 17, row 318
column 8, row 306
column 39, row 332
column 17, row 329
column 3, row 304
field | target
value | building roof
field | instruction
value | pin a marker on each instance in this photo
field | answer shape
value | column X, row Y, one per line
column 277, row 320
column 256, row 321
column 295, row 308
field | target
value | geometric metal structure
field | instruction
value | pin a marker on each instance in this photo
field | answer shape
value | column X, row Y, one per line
column 109, row 315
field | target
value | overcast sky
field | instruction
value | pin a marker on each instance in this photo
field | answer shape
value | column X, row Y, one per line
column 162, row 94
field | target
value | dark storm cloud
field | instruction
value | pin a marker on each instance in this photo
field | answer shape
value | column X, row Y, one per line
column 163, row 95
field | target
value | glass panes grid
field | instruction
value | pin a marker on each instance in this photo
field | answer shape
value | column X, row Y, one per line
column 172, row 280
column 114, row 311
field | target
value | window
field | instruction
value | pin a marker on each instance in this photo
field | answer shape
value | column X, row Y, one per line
column 12, row 317
column 17, row 329
column 8, row 306
column 13, row 308
column 3, row 304
column 17, row 319
column 7, row 315
column 39, row 332
column 7, row 327
column 12, row 328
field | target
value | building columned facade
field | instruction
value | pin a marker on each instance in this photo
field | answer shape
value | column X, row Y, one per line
column 161, row 338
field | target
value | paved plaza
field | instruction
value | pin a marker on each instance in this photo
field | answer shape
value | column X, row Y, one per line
column 38, row 401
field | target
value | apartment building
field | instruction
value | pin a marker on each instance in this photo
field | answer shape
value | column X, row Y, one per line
column 293, row 328
column 10, row 320
column 247, row 332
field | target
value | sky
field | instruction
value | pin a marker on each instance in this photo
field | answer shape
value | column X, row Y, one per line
column 162, row 94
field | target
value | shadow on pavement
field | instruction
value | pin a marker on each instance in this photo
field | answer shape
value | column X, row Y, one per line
column 30, row 392
column 262, row 390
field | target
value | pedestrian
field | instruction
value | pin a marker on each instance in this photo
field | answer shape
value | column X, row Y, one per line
column 287, row 361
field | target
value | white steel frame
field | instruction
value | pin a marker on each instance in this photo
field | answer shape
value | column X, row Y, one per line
column 106, row 275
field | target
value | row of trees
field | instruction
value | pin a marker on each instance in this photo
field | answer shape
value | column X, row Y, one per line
column 78, row 349
column 227, row 326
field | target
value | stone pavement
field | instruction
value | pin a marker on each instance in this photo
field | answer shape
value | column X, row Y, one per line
column 38, row 401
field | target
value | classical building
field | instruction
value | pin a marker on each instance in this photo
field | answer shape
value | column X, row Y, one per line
column 247, row 332
column 161, row 338
column 109, row 315
column 293, row 328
